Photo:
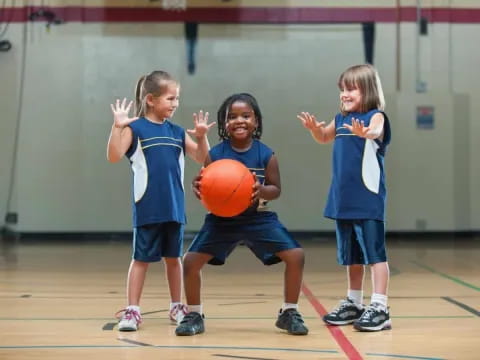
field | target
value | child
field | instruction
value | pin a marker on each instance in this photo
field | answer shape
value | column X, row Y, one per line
column 240, row 128
column 357, row 194
column 156, row 149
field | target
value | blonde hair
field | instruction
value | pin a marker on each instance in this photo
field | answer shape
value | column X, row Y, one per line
column 154, row 83
column 364, row 77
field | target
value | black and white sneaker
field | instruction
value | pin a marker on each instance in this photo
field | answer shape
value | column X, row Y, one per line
column 292, row 321
column 345, row 313
column 375, row 318
column 191, row 324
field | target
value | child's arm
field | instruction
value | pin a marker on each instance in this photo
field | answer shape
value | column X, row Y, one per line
column 373, row 131
column 198, row 151
column 321, row 133
column 121, row 135
column 271, row 189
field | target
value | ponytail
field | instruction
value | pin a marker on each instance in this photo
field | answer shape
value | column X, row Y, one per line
column 140, row 97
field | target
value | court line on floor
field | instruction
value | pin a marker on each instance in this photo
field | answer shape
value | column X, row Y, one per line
column 231, row 318
column 206, row 347
column 241, row 357
column 338, row 335
column 462, row 305
column 454, row 279
column 134, row 342
column 406, row 356
column 335, row 331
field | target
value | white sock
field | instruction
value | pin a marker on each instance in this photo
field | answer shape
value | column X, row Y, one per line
column 173, row 304
column 356, row 296
column 286, row 306
column 134, row 307
column 195, row 308
column 379, row 298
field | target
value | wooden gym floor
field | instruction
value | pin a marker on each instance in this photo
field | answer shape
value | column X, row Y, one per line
column 58, row 298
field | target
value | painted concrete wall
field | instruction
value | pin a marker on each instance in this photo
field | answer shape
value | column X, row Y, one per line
column 64, row 183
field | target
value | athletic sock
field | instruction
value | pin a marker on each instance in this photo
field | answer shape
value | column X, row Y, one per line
column 379, row 298
column 356, row 296
column 195, row 308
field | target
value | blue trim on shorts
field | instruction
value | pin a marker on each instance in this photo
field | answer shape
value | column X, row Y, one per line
column 360, row 242
column 151, row 242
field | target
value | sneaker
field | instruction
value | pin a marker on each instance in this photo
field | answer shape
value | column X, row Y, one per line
column 345, row 313
column 191, row 324
column 177, row 313
column 292, row 321
column 130, row 320
column 375, row 318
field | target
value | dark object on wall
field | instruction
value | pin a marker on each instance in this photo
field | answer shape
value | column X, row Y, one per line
column 368, row 40
column 5, row 45
column 11, row 218
column 423, row 26
column 49, row 16
column 191, row 35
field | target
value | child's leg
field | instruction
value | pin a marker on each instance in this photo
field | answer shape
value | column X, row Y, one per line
column 135, row 281
column 289, row 318
column 355, row 283
column 193, row 323
column 192, row 276
column 173, row 269
column 131, row 317
column 380, row 278
column 294, row 260
column 377, row 315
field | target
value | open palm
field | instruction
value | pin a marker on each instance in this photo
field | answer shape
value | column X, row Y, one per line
column 201, row 125
column 120, row 113
column 310, row 122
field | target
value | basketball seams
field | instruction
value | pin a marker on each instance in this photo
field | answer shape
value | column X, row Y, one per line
column 225, row 187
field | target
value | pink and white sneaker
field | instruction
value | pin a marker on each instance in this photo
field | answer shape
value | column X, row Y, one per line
column 130, row 320
column 177, row 313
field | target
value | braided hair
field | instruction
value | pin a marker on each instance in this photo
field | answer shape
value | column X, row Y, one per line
column 222, row 114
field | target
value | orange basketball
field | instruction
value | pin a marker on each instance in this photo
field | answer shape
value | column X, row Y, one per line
column 226, row 187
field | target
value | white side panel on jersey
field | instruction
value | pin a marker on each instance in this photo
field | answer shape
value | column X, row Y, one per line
column 370, row 166
column 181, row 162
column 140, row 172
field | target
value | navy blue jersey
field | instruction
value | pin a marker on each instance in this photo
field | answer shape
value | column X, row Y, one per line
column 358, row 188
column 157, row 158
column 256, row 160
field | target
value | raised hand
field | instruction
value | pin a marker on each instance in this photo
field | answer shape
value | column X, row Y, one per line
column 310, row 122
column 120, row 113
column 358, row 128
column 201, row 125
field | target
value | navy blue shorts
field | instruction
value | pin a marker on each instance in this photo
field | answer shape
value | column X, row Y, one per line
column 265, row 237
column 153, row 241
column 360, row 242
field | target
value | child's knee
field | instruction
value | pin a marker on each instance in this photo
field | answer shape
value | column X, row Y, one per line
column 293, row 257
column 192, row 263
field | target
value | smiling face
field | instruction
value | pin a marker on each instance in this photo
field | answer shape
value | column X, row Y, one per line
column 163, row 106
column 351, row 99
column 241, row 122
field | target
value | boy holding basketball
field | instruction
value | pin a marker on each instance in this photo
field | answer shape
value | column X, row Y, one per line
column 240, row 128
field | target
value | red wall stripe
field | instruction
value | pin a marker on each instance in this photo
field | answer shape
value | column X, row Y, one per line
column 263, row 15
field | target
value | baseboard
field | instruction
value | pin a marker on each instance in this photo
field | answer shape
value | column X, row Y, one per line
column 315, row 235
